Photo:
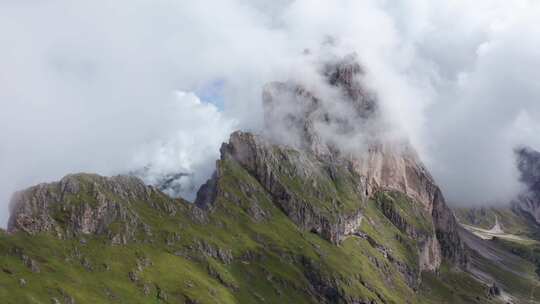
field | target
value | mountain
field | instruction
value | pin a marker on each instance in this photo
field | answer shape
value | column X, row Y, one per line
column 529, row 167
column 505, row 234
column 320, row 208
column 520, row 216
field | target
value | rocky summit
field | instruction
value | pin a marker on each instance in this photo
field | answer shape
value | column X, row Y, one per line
column 319, row 208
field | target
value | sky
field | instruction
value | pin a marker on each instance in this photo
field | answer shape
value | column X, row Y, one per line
column 115, row 86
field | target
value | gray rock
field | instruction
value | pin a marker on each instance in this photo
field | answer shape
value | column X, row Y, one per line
column 494, row 291
column 371, row 166
column 30, row 263
column 146, row 289
column 87, row 264
column 528, row 163
column 133, row 276
column 161, row 294
column 85, row 204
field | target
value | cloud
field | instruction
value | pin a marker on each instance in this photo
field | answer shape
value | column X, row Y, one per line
column 192, row 132
column 486, row 97
column 93, row 86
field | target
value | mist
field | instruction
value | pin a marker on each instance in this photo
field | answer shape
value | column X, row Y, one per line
column 114, row 87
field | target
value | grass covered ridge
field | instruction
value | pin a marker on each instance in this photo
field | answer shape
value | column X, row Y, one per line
column 245, row 250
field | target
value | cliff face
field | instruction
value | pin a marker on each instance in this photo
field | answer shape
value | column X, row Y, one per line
column 528, row 163
column 345, row 126
column 303, row 187
column 328, row 198
column 343, row 129
column 85, row 204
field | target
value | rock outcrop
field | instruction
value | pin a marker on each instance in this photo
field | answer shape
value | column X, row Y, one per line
column 528, row 163
column 83, row 204
column 301, row 185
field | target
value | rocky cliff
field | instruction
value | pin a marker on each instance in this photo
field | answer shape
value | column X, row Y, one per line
column 343, row 129
column 85, row 204
column 528, row 163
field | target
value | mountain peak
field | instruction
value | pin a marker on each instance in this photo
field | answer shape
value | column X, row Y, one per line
column 340, row 112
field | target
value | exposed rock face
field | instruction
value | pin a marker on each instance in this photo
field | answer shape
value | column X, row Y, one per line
column 447, row 229
column 274, row 166
column 528, row 163
column 317, row 127
column 345, row 73
column 207, row 193
column 277, row 168
column 417, row 223
column 313, row 220
column 430, row 255
column 81, row 204
column 395, row 166
column 322, row 123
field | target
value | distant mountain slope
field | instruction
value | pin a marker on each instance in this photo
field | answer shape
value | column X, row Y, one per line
column 517, row 223
column 521, row 216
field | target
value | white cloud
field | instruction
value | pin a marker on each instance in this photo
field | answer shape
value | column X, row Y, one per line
column 89, row 86
column 192, row 132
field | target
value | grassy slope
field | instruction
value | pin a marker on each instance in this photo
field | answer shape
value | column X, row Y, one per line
column 522, row 282
column 274, row 261
column 453, row 287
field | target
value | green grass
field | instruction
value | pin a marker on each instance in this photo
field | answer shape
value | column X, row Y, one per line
column 512, row 221
column 453, row 286
column 272, row 260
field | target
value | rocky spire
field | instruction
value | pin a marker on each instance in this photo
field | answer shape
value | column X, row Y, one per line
column 297, row 117
column 346, row 73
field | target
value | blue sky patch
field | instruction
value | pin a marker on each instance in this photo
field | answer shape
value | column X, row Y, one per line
column 212, row 92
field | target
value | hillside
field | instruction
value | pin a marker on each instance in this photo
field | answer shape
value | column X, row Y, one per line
column 242, row 249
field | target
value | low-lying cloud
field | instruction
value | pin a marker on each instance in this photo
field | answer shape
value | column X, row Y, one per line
column 111, row 87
